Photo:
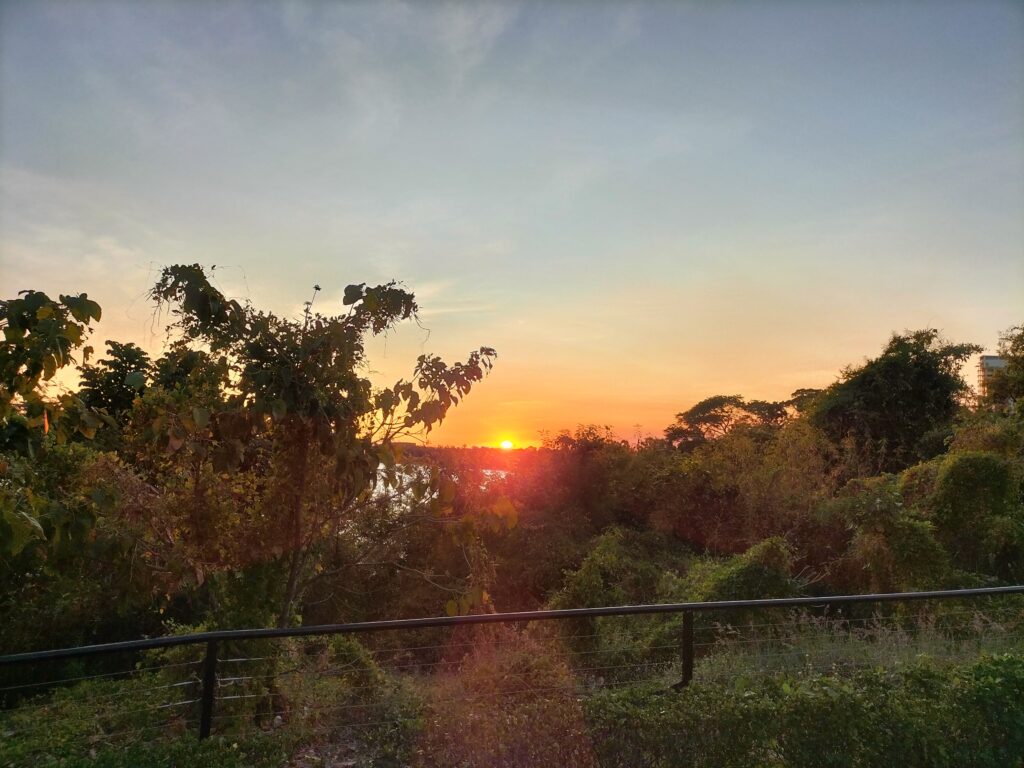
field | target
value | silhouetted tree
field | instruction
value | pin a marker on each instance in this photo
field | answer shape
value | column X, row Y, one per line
column 715, row 416
column 894, row 406
column 1007, row 384
column 113, row 382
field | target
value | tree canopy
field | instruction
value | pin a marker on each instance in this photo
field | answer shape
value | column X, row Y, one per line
column 1006, row 385
column 715, row 416
column 114, row 381
column 254, row 438
column 895, row 407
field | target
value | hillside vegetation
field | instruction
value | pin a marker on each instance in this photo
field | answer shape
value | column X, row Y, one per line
column 252, row 475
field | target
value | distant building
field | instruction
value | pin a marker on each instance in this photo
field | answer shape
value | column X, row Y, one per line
column 987, row 366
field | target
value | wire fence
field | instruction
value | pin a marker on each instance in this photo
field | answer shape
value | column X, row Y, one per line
column 350, row 685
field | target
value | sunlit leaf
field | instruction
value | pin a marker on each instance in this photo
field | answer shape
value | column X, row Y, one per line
column 24, row 529
column 201, row 416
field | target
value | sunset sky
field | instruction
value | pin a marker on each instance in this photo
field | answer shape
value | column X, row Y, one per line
column 638, row 205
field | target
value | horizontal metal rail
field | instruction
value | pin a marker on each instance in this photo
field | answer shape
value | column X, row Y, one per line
column 212, row 640
column 495, row 618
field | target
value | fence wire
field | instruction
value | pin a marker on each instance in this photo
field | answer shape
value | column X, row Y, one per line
column 319, row 689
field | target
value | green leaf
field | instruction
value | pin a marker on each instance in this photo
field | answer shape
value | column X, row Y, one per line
column 103, row 498
column 78, row 312
column 87, row 427
column 73, row 333
column 506, row 511
column 353, row 293
column 93, row 309
column 227, row 455
column 278, row 409
column 24, row 529
column 50, row 366
column 136, row 380
column 175, row 439
column 446, row 491
column 201, row 416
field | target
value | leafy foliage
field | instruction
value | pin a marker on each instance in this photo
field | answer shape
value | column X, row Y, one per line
column 978, row 513
column 539, row 721
column 920, row 717
column 253, row 474
column 301, row 385
column 1007, row 384
column 890, row 406
column 892, row 548
column 39, row 337
column 714, row 417
column 114, row 382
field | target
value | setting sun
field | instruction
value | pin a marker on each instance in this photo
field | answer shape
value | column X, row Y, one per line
column 738, row 276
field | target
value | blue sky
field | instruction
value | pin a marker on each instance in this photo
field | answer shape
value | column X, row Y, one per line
column 639, row 204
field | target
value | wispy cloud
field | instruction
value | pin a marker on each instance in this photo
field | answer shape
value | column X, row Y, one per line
column 706, row 194
column 432, row 311
column 469, row 31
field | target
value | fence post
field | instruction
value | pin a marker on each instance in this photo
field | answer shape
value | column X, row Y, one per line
column 209, row 687
column 687, row 649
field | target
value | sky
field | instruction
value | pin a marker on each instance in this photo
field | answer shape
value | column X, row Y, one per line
column 637, row 204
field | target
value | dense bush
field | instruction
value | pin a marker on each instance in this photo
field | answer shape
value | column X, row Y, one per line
column 762, row 571
column 622, row 567
column 254, row 752
column 293, row 690
column 967, row 718
column 510, row 701
column 891, row 547
column 253, row 476
column 978, row 513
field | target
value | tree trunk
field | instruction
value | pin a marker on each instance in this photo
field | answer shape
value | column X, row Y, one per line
column 297, row 484
column 291, row 588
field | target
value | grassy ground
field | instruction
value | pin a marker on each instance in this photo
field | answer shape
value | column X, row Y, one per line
column 497, row 697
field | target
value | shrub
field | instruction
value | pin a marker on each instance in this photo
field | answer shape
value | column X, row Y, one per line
column 891, row 548
column 977, row 513
column 622, row 567
column 990, row 432
column 510, row 703
column 916, row 484
column 970, row 717
column 254, row 752
column 763, row 571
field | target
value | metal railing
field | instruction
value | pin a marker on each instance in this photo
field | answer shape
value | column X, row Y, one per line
column 214, row 640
